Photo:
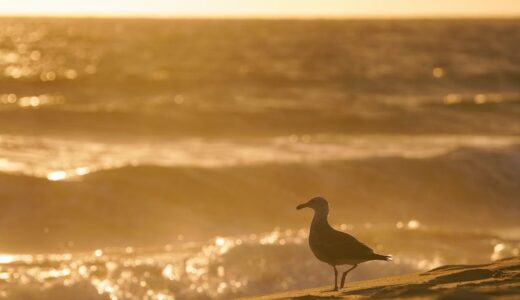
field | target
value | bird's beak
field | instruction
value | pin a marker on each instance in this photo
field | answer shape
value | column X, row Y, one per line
column 304, row 205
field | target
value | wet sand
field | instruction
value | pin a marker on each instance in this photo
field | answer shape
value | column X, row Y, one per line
column 498, row 280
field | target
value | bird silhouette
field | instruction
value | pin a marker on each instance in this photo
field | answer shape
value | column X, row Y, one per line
column 335, row 247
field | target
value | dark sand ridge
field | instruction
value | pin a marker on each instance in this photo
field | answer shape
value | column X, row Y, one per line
column 498, row 280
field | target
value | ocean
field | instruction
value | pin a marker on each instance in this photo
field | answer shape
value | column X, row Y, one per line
column 164, row 158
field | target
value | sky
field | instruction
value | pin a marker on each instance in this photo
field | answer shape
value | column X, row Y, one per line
column 263, row 8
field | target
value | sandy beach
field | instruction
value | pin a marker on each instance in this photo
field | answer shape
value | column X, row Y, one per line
column 498, row 280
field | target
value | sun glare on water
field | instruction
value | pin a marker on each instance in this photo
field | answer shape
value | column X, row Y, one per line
column 63, row 175
column 6, row 259
column 57, row 175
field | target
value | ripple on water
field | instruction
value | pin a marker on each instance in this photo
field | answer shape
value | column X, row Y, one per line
column 220, row 268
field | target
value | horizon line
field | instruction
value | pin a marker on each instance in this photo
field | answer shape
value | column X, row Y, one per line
column 264, row 16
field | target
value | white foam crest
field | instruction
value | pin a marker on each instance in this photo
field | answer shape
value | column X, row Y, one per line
column 61, row 159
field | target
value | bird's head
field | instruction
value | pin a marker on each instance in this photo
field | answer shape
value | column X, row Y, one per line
column 316, row 203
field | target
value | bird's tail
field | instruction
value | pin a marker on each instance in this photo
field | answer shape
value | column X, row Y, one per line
column 383, row 257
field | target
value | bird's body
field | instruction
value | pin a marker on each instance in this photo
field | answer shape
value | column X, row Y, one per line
column 335, row 247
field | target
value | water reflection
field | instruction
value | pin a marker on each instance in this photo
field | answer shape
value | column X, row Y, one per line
column 220, row 268
column 30, row 101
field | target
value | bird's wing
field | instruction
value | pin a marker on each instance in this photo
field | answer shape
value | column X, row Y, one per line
column 341, row 245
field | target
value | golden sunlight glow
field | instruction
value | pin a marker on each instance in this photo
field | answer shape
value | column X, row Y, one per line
column 6, row 259
column 57, row 175
column 82, row 171
column 268, row 8
column 220, row 241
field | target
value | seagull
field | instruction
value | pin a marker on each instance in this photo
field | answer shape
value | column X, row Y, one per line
column 334, row 247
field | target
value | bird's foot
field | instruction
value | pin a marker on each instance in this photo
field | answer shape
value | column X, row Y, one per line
column 335, row 289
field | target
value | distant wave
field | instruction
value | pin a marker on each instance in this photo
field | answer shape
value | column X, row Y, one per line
column 58, row 159
column 144, row 78
column 453, row 189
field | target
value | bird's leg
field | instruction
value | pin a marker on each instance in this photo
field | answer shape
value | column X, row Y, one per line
column 345, row 276
column 335, row 278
